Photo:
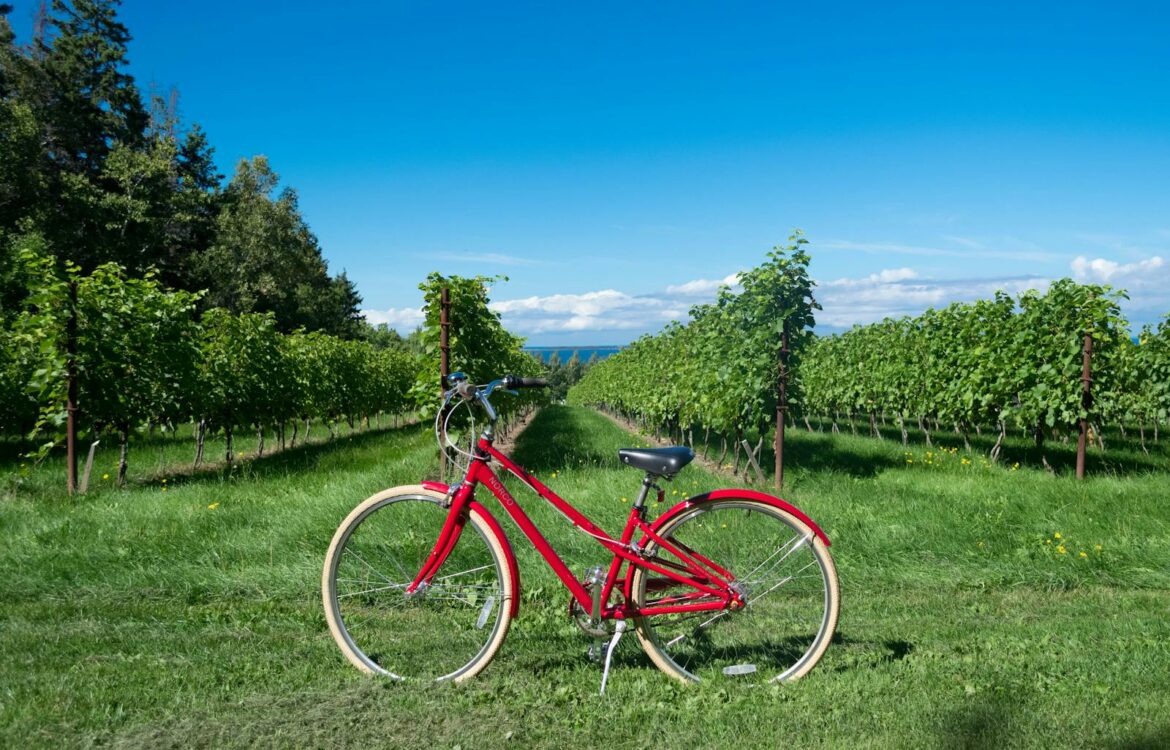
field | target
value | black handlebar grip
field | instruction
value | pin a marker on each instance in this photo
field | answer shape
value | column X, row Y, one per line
column 511, row 381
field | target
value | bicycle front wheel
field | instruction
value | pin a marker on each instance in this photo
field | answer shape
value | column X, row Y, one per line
column 450, row 630
column 783, row 571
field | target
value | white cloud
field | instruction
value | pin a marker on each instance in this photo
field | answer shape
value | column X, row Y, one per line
column 1104, row 270
column 1146, row 281
column 604, row 310
column 896, row 292
column 890, row 292
column 886, row 276
column 703, row 287
column 400, row 319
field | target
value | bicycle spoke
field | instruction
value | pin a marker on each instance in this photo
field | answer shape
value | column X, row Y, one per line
column 782, row 576
column 386, row 630
column 371, row 567
column 371, row 591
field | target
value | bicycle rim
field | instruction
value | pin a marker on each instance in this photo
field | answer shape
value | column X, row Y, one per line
column 784, row 572
column 450, row 630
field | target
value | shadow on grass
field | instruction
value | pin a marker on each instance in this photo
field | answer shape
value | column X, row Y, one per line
column 986, row 721
column 303, row 457
column 1122, row 455
column 816, row 453
column 559, row 437
column 1157, row 738
column 865, row 456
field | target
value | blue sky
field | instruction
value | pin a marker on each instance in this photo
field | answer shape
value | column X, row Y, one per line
column 616, row 161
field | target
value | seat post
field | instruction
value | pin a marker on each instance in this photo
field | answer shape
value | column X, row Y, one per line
column 647, row 483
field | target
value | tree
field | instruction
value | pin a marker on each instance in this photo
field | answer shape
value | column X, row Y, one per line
column 266, row 260
column 87, row 106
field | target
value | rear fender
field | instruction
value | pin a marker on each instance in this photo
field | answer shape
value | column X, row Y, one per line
column 498, row 530
column 738, row 494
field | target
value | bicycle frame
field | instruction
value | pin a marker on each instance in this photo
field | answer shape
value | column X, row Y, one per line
column 703, row 576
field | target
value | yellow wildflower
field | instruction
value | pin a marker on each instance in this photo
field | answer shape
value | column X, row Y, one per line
column 213, row 506
column 1057, row 536
column 105, row 476
column 1097, row 548
column 1060, row 548
column 1084, row 554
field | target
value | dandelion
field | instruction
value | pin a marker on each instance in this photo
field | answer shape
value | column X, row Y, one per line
column 1057, row 536
column 909, row 460
column 1084, row 555
column 1048, row 541
column 1016, row 465
column 164, row 481
column 164, row 489
column 980, row 544
column 966, row 462
column 105, row 476
column 725, row 526
column 1097, row 548
column 674, row 492
column 213, row 506
column 625, row 500
column 1060, row 548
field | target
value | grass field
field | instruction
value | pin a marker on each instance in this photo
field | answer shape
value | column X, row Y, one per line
column 191, row 617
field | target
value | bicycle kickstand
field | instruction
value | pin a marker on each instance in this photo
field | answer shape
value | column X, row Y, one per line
column 619, row 628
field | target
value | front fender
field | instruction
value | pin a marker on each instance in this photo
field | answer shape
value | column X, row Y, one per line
column 740, row 494
column 498, row 530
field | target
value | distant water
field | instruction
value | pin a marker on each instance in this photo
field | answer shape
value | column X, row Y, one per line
column 565, row 353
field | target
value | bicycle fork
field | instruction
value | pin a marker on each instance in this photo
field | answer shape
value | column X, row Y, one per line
column 448, row 537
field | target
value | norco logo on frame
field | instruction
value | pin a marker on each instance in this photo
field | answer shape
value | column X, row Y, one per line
column 498, row 488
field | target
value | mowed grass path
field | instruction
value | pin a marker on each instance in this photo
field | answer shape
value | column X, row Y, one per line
column 143, row 618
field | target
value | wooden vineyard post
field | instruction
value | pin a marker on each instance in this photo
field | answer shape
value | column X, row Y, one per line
column 444, row 361
column 1086, row 403
column 781, row 406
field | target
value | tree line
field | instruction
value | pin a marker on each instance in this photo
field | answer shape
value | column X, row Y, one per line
column 138, row 289
column 94, row 172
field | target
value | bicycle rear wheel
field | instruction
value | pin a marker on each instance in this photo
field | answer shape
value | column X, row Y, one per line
column 784, row 572
column 449, row 631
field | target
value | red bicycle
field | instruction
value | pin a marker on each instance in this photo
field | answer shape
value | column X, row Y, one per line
column 420, row 582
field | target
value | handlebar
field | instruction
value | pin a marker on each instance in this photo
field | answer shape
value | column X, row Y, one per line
column 467, row 391
column 511, row 381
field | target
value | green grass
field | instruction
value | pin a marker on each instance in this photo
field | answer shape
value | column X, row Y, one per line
column 142, row 618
